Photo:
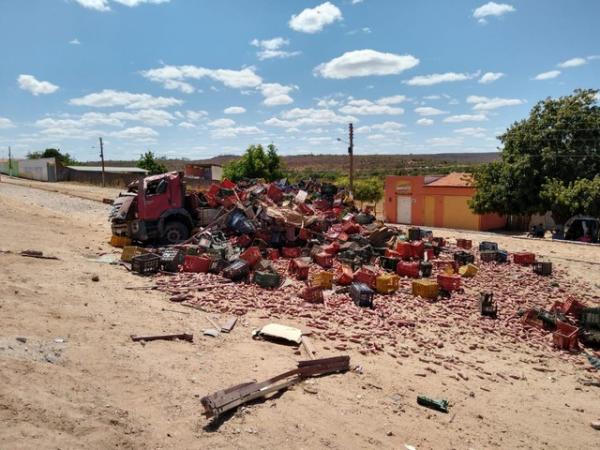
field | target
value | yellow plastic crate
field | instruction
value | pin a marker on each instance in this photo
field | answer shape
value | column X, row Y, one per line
column 129, row 251
column 470, row 270
column 119, row 241
column 322, row 279
column 387, row 283
column 425, row 288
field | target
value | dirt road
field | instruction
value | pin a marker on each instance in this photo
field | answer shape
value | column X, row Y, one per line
column 70, row 377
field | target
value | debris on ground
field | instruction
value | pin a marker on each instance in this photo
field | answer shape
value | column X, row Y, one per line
column 438, row 405
column 163, row 337
column 36, row 254
column 305, row 252
column 274, row 331
column 221, row 401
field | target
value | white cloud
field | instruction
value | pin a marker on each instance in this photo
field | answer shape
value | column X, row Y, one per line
column 492, row 9
column 109, row 98
column 6, row 123
column 362, row 63
column 186, row 125
column 547, row 75
column 432, row 97
column 392, row 100
column 471, row 131
column 445, row 142
column 299, row 117
column 466, row 118
column 136, row 134
column 573, row 62
column 232, row 132
column 356, row 2
column 152, row 117
column 222, row 123
column 487, row 104
column 98, row 5
column 313, row 20
column 195, row 116
column 103, row 5
column 436, row 78
column 235, row 110
column 490, row 77
column 36, row 87
column 366, row 107
column 425, row 122
column 385, row 127
column 327, row 102
column 272, row 48
column 133, row 3
column 74, row 42
column 173, row 77
column 429, row 111
column 276, row 94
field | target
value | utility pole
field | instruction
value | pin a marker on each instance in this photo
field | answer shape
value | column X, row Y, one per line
column 102, row 158
column 9, row 162
column 351, row 154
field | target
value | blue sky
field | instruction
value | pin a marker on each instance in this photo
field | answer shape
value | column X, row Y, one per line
column 197, row 78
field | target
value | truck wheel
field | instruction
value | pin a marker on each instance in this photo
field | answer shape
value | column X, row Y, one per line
column 175, row 232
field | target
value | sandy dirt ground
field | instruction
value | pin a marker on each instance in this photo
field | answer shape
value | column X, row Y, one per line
column 70, row 377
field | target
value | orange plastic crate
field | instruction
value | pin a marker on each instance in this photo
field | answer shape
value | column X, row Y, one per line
column 524, row 258
column 565, row 336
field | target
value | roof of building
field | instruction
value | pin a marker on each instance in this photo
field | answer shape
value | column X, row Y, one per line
column 108, row 169
column 454, row 179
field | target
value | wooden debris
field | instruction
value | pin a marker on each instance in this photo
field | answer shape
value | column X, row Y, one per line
column 308, row 346
column 36, row 254
column 163, row 337
column 229, row 325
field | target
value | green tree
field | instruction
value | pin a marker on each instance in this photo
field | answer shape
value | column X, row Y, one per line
column 256, row 163
column 560, row 140
column 568, row 199
column 148, row 162
column 368, row 190
column 63, row 158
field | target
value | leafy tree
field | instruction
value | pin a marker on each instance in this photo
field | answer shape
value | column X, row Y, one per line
column 148, row 162
column 65, row 159
column 256, row 163
column 568, row 199
column 560, row 140
column 368, row 190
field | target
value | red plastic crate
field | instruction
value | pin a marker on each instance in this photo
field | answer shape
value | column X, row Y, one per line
column 449, row 283
column 197, row 264
column 325, row 260
column 417, row 249
column 351, row 228
column 273, row 254
column 524, row 258
column 251, row 256
column 571, row 307
column 274, row 193
column 312, row 294
column 344, row 276
column 299, row 269
column 304, row 234
column 403, row 250
column 332, row 248
column 408, row 269
column 291, row 252
column 243, row 241
column 464, row 243
column 305, row 209
column 366, row 276
column 565, row 336
column 228, row 184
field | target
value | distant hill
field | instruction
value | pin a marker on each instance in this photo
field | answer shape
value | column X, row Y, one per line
column 362, row 163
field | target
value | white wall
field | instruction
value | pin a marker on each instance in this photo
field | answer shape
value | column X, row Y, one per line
column 35, row 169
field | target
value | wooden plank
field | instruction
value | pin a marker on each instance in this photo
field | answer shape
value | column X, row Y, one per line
column 213, row 323
column 308, row 346
column 229, row 325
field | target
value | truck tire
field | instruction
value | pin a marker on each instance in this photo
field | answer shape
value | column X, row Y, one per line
column 175, row 232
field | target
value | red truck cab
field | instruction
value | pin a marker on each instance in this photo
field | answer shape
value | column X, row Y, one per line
column 155, row 208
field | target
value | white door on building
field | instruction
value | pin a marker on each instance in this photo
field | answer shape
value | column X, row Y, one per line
column 403, row 214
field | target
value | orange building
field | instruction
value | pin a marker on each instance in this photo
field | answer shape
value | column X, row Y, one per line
column 435, row 201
